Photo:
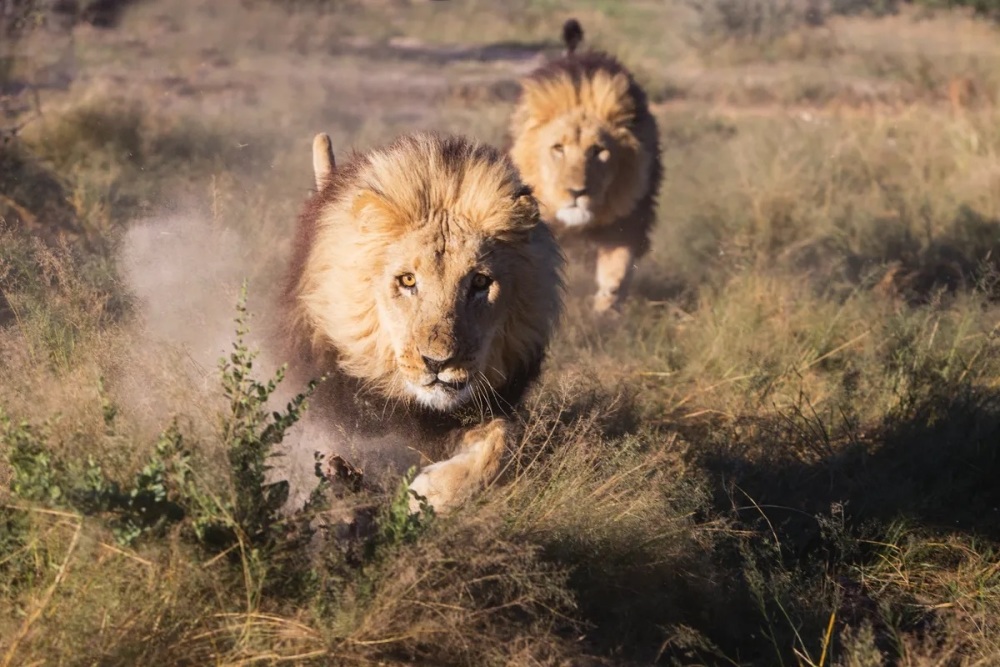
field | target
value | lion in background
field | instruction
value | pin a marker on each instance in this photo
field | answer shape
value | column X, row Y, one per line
column 425, row 286
column 585, row 141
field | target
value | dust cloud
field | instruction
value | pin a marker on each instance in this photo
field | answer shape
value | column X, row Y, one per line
column 185, row 274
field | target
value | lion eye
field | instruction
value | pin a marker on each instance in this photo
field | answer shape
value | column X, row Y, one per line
column 600, row 152
column 557, row 149
column 407, row 280
column 481, row 281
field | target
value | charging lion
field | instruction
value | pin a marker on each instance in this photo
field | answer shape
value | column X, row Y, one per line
column 585, row 141
column 425, row 286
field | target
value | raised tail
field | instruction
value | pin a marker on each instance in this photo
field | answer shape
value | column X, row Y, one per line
column 572, row 34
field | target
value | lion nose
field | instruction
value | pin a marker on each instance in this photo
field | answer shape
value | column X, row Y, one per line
column 435, row 365
column 577, row 193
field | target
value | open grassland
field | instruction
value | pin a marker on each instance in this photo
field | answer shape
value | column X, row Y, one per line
column 786, row 452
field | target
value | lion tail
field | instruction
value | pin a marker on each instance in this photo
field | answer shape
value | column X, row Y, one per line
column 572, row 34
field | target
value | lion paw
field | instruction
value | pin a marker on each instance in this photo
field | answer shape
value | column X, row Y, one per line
column 607, row 305
column 443, row 485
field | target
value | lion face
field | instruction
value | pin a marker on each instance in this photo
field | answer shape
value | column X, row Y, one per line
column 427, row 272
column 576, row 144
column 443, row 317
column 578, row 159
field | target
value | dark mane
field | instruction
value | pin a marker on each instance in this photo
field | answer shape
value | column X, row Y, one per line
column 308, row 220
column 294, row 343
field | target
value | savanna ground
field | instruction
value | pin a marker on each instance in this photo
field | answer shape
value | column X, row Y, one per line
column 786, row 452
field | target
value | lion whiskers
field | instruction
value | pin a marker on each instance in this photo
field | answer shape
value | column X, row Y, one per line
column 391, row 398
column 483, row 383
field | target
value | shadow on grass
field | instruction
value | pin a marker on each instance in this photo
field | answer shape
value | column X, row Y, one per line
column 897, row 263
column 607, row 500
column 99, row 13
column 933, row 462
column 656, row 284
column 823, row 504
column 32, row 198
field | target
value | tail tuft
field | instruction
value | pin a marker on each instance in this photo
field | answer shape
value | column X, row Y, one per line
column 572, row 34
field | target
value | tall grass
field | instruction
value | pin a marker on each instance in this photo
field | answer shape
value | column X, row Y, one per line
column 783, row 453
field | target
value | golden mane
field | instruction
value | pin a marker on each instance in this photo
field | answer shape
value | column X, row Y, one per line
column 602, row 94
column 382, row 196
column 598, row 86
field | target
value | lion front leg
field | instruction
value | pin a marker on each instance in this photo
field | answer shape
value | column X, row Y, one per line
column 615, row 265
column 447, row 484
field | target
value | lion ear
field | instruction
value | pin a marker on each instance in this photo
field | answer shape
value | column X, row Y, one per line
column 323, row 161
column 525, row 203
column 522, row 192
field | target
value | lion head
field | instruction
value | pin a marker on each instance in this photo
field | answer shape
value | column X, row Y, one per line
column 423, row 270
column 584, row 140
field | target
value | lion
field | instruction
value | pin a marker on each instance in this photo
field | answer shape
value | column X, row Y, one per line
column 424, row 285
column 584, row 139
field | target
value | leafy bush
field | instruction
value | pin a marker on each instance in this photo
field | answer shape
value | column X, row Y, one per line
column 251, row 433
column 156, row 496
column 167, row 490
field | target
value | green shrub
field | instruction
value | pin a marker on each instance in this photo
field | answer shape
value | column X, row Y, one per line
column 166, row 490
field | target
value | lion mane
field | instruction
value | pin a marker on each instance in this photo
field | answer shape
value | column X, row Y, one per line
column 584, row 139
column 423, row 278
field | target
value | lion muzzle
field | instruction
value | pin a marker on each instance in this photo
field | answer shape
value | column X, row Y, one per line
column 574, row 216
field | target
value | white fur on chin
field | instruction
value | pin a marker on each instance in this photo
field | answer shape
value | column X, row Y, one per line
column 440, row 398
column 574, row 216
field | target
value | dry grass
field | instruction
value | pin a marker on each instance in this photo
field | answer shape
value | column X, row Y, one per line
column 784, row 453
